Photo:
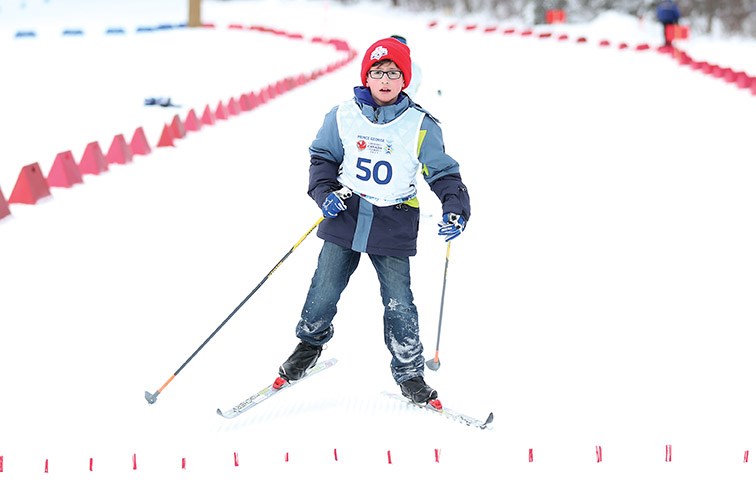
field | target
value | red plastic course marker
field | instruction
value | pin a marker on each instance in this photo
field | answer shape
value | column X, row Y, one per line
column 166, row 137
column 183, row 463
column 208, row 118
column 192, row 123
column 139, row 144
column 742, row 80
column 668, row 453
column 93, row 161
column 133, row 461
column 530, row 455
column 233, row 107
column 179, row 131
column 91, row 464
column 4, row 209
column 437, row 452
column 64, row 172
column 236, row 458
column 221, row 113
column 388, row 454
column 254, row 101
column 244, row 103
column 119, row 151
column 31, row 185
column 47, row 468
column 745, row 456
column 599, row 454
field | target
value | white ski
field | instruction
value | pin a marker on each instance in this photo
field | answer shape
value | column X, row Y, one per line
column 446, row 412
column 271, row 390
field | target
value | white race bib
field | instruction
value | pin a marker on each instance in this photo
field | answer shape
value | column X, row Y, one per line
column 380, row 161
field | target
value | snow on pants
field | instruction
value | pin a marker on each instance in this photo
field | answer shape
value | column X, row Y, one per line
column 400, row 323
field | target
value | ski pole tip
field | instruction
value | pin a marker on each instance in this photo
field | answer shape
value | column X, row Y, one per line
column 151, row 398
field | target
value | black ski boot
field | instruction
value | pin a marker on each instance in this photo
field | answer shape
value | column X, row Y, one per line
column 303, row 358
column 417, row 390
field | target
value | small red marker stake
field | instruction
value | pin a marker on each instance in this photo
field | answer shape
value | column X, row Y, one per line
column 91, row 464
column 183, row 463
column 236, row 458
column 1, row 464
column 46, row 465
column 388, row 453
column 335, row 455
column 745, row 457
column 530, row 455
column 286, row 457
column 437, row 452
column 133, row 461
column 668, row 453
column 599, row 454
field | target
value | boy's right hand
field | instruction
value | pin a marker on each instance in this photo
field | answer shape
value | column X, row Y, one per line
column 334, row 202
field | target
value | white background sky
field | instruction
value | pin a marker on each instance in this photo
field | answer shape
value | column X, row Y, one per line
column 602, row 294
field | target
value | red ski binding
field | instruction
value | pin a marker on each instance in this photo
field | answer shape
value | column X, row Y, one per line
column 279, row 383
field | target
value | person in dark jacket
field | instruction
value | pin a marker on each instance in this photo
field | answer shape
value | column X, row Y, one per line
column 364, row 164
column 669, row 15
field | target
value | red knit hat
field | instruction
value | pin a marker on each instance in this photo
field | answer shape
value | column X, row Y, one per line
column 388, row 49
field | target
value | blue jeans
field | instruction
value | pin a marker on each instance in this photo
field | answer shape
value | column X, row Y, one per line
column 400, row 324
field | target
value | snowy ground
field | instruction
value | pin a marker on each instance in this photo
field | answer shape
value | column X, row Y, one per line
column 601, row 296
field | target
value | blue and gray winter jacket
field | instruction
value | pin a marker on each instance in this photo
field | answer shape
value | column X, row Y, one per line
column 388, row 230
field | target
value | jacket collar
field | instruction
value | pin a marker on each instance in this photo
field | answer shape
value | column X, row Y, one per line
column 379, row 114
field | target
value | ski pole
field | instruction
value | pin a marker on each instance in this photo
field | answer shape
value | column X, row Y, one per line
column 435, row 363
column 152, row 397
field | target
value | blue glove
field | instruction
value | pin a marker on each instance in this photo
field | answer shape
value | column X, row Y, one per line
column 334, row 203
column 451, row 225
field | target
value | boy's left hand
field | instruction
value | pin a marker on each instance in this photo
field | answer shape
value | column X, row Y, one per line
column 451, row 225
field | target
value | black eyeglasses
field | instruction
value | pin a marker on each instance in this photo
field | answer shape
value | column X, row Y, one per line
column 378, row 74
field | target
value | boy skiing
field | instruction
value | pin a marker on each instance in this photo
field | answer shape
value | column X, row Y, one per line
column 364, row 163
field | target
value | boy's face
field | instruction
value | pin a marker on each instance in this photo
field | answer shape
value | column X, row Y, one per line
column 384, row 90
